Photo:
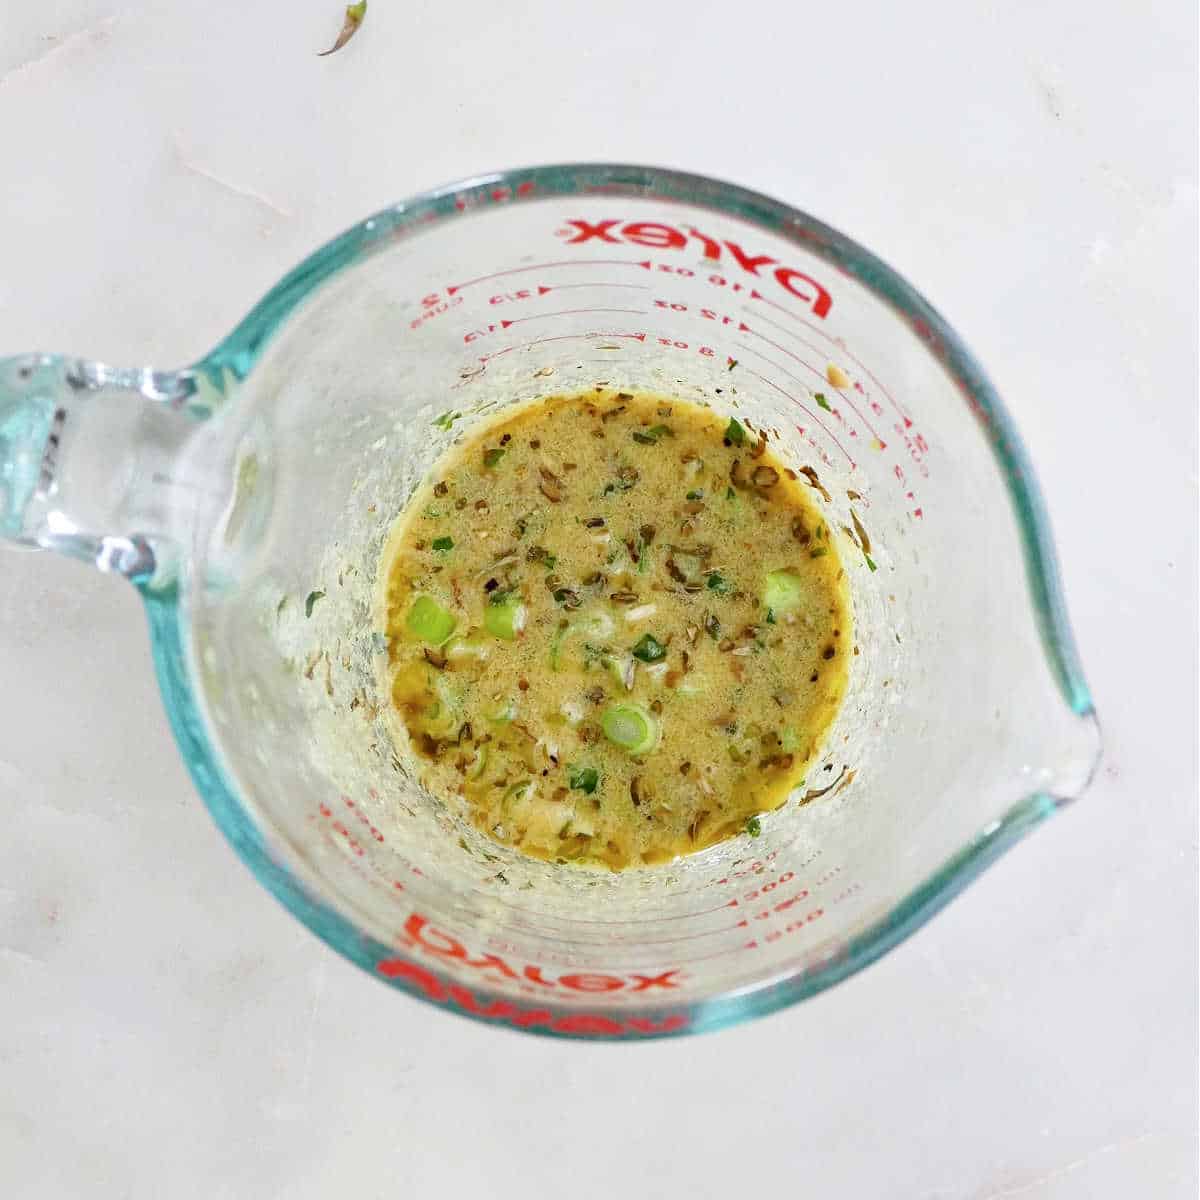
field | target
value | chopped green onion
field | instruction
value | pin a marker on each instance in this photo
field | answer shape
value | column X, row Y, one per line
column 443, row 543
column 447, row 419
column 556, row 645
column 583, row 779
column 649, row 649
column 518, row 791
column 622, row 670
column 719, row 584
column 735, row 435
column 309, row 601
column 504, row 616
column 730, row 494
column 821, row 401
column 462, row 650
column 819, row 552
column 429, row 621
column 870, row 562
column 754, row 827
column 479, row 763
column 770, row 616
column 491, row 458
column 695, row 495
column 782, row 592
column 631, row 727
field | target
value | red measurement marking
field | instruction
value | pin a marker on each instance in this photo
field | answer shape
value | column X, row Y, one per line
column 882, row 445
column 816, row 420
column 707, row 351
column 523, row 294
column 562, row 287
column 566, row 337
column 757, row 295
column 574, row 262
column 570, row 312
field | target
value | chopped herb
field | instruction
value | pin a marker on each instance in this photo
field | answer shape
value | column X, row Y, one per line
column 583, row 779
column 491, row 458
column 447, row 419
column 735, row 435
column 819, row 397
column 770, row 616
column 712, row 626
column 730, row 493
column 549, row 561
column 754, row 827
column 649, row 649
column 311, row 600
column 719, row 584
column 733, row 362
column 870, row 562
column 819, row 552
column 430, row 513
column 695, row 495
column 443, row 543
column 661, row 431
column 351, row 22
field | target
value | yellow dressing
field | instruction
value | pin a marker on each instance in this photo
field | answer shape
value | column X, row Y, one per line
column 617, row 627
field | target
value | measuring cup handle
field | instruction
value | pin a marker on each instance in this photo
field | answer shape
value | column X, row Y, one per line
column 85, row 459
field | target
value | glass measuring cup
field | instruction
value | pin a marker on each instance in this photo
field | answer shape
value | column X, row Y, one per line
column 247, row 497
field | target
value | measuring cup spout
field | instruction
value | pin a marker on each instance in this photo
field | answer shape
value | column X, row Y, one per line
column 86, row 454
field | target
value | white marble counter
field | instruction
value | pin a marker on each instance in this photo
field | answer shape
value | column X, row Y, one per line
column 167, row 1030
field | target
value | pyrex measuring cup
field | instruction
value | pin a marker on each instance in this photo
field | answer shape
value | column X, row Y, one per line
column 247, row 497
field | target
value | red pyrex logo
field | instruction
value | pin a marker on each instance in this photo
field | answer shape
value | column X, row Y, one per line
column 434, row 942
column 667, row 237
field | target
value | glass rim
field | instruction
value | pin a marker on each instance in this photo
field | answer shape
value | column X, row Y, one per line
column 235, row 357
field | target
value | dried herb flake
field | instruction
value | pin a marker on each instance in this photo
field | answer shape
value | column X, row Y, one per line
column 353, row 19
